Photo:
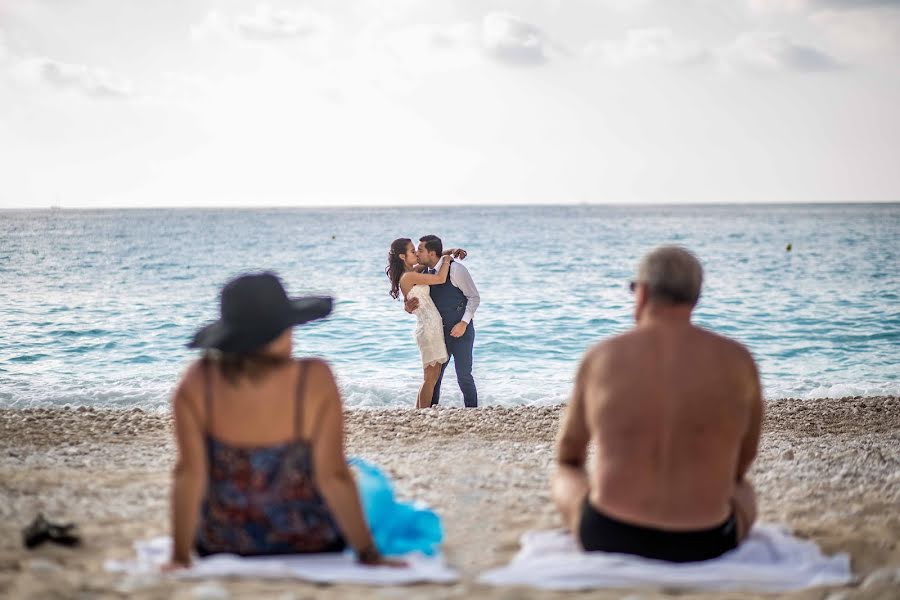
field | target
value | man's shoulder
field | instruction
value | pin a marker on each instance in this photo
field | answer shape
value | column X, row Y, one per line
column 605, row 350
column 457, row 268
column 457, row 265
column 616, row 342
column 731, row 347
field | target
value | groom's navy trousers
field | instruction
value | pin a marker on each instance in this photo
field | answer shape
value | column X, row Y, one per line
column 451, row 303
column 460, row 349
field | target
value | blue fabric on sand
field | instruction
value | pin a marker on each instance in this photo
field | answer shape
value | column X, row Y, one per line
column 398, row 527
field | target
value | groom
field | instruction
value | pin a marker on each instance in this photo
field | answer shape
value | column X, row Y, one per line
column 457, row 300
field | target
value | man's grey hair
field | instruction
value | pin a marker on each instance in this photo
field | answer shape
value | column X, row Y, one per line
column 672, row 275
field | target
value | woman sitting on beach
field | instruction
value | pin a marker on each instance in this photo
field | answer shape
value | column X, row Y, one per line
column 406, row 276
column 261, row 467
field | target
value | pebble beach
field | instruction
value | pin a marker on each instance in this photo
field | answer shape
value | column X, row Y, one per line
column 829, row 469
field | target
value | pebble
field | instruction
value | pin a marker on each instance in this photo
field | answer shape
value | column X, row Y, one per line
column 209, row 591
column 43, row 566
column 134, row 583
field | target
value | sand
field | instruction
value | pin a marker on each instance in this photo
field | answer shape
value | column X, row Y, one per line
column 828, row 468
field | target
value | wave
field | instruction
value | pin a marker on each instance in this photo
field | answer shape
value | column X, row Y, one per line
column 384, row 393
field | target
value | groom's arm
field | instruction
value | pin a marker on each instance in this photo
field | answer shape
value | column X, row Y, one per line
column 460, row 277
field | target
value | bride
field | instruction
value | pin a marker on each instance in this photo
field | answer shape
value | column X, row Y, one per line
column 404, row 272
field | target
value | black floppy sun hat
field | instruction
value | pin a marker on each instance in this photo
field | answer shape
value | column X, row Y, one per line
column 254, row 311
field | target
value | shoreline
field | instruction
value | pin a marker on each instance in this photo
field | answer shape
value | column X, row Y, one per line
column 828, row 468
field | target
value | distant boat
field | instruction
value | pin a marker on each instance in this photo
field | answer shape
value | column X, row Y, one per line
column 55, row 207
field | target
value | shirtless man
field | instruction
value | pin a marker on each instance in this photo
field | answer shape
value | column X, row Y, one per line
column 674, row 414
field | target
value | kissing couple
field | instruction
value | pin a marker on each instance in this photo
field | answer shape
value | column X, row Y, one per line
column 439, row 290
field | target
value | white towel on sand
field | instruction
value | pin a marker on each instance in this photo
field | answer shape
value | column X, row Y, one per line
column 318, row 568
column 769, row 560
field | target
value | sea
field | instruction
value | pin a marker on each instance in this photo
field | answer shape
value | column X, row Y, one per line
column 96, row 306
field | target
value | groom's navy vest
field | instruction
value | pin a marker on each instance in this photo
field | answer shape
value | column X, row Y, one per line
column 450, row 302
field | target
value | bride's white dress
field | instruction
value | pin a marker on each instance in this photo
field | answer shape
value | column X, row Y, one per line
column 429, row 328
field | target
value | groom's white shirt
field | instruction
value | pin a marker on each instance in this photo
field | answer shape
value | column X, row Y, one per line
column 460, row 277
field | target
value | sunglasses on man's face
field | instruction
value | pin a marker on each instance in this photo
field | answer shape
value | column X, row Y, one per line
column 632, row 285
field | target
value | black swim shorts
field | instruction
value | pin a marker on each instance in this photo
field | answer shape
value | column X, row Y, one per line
column 599, row 532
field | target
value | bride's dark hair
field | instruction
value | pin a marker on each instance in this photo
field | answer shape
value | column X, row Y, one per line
column 396, row 267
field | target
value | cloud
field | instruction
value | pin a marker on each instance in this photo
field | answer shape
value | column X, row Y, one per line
column 512, row 40
column 774, row 52
column 763, row 6
column 499, row 36
column 503, row 37
column 627, row 6
column 853, row 27
column 655, row 45
column 451, row 36
column 770, row 6
column 431, row 38
column 861, row 32
column 856, row 3
column 432, row 47
column 91, row 81
column 265, row 24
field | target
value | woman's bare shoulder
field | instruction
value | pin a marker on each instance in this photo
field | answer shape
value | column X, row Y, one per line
column 190, row 387
column 322, row 393
column 408, row 281
column 194, row 375
column 314, row 362
column 318, row 370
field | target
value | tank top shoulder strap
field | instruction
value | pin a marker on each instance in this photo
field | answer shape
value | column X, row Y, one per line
column 299, row 395
column 207, row 393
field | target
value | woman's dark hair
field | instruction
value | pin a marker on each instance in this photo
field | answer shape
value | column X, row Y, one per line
column 396, row 266
column 253, row 365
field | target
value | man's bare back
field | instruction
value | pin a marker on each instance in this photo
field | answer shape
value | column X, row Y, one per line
column 674, row 414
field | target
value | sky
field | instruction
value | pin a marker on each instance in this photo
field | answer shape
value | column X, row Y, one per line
column 127, row 103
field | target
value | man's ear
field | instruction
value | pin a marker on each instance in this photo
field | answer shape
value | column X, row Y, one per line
column 640, row 301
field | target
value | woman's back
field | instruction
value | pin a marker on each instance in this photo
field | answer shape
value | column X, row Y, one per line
column 261, row 496
column 257, row 411
column 260, row 437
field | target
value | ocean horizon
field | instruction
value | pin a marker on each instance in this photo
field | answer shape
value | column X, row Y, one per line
column 96, row 305
column 374, row 206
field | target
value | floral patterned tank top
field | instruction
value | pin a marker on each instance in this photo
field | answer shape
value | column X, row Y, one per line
column 263, row 500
